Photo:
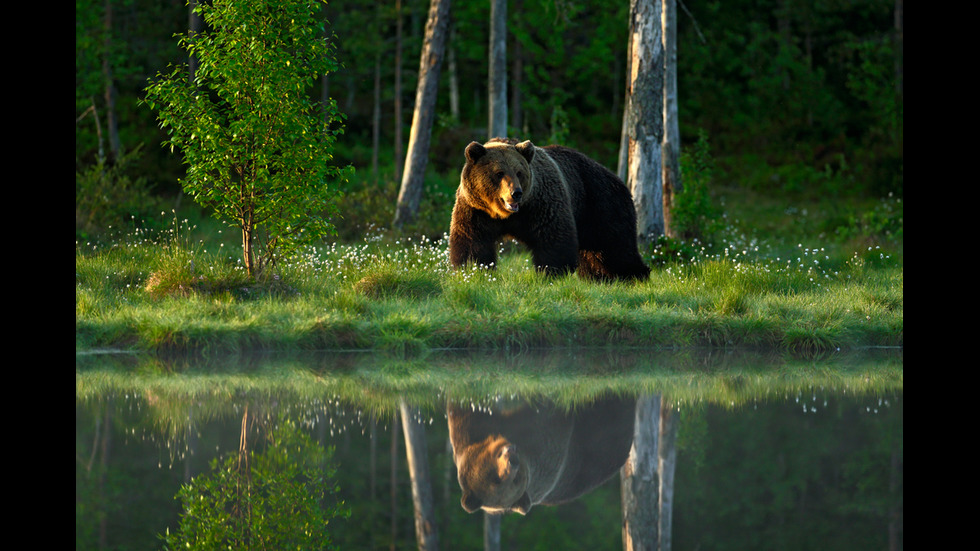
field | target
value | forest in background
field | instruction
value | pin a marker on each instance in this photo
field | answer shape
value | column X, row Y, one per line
column 797, row 96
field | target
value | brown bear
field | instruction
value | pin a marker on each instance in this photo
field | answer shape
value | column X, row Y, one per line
column 514, row 457
column 570, row 211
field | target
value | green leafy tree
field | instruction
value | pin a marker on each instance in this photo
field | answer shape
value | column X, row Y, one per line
column 257, row 148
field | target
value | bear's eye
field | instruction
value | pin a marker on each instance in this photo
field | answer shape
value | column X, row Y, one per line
column 501, row 174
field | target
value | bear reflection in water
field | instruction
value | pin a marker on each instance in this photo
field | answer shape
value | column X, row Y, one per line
column 514, row 456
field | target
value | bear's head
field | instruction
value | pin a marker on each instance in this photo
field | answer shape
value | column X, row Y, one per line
column 492, row 477
column 497, row 176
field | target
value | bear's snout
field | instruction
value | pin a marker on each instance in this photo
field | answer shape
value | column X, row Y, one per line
column 513, row 200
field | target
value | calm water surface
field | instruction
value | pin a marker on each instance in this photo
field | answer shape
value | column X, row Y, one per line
column 769, row 453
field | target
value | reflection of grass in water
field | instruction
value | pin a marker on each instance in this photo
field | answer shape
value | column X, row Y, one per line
column 342, row 392
column 375, row 383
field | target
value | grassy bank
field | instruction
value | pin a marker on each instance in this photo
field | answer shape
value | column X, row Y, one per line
column 166, row 292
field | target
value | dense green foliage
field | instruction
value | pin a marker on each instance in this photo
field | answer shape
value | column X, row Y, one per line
column 257, row 151
column 798, row 97
column 694, row 214
column 107, row 194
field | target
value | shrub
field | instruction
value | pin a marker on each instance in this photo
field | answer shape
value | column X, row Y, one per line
column 106, row 194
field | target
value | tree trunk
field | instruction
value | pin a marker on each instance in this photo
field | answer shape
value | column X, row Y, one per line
column 398, row 91
column 373, row 458
column 645, row 118
column 672, row 133
column 112, row 124
column 668, row 465
column 623, row 165
column 448, row 468
column 639, row 479
column 433, row 51
column 453, row 75
column 497, row 124
column 98, row 128
column 194, row 27
column 248, row 248
column 376, row 113
column 516, row 80
column 395, row 427
column 106, row 448
column 491, row 531
column 426, row 533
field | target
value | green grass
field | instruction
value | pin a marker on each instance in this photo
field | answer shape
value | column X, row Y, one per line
column 168, row 293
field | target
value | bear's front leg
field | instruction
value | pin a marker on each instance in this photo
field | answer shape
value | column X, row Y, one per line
column 463, row 250
column 555, row 256
column 554, row 263
column 553, row 242
column 471, row 239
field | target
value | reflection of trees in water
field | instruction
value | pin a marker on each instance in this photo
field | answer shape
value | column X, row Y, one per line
column 775, row 477
column 718, row 490
column 426, row 533
column 647, row 478
column 565, row 455
column 282, row 497
column 92, row 498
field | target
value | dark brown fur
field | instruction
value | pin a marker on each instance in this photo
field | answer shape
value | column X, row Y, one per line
column 570, row 211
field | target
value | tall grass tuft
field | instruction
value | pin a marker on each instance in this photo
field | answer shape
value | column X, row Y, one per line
column 391, row 282
column 183, row 267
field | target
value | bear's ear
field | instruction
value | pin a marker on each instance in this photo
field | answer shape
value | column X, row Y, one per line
column 474, row 151
column 470, row 502
column 526, row 149
column 523, row 505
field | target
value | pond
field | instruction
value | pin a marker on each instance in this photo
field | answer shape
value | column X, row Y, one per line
column 727, row 450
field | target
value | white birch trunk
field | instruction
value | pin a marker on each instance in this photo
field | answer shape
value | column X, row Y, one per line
column 644, row 175
column 426, row 533
column 417, row 158
column 640, row 481
column 453, row 75
column 667, row 450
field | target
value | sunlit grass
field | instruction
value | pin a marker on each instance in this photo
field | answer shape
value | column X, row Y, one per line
column 166, row 292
